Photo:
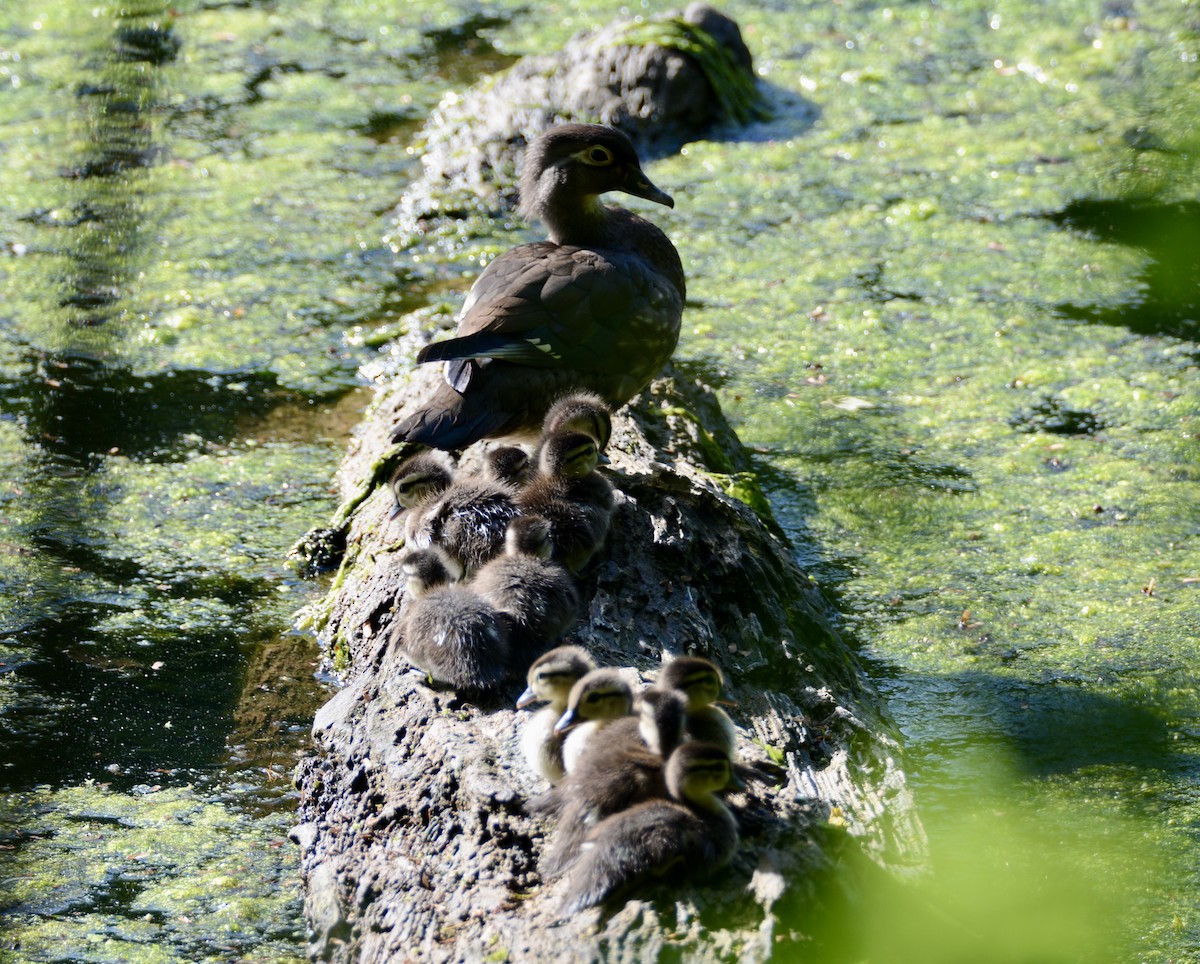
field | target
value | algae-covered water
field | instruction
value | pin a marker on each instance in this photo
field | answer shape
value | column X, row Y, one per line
column 948, row 294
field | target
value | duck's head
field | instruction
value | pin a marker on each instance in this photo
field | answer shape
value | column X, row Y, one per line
column 508, row 464
column 568, row 167
column 568, row 454
column 600, row 695
column 696, row 771
column 426, row 569
column 584, row 412
column 528, row 535
column 552, row 675
column 419, row 477
column 662, row 718
column 698, row 679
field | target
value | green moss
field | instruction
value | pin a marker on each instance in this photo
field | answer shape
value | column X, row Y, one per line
column 739, row 98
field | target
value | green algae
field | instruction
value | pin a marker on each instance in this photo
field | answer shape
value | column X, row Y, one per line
column 152, row 875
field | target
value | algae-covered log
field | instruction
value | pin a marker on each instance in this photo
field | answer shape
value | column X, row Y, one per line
column 415, row 838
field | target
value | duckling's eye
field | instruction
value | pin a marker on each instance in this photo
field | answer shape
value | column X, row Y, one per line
column 598, row 155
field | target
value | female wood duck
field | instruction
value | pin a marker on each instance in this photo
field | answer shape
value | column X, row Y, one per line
column 595, row 307
column 447, row 630
column 568, row 492
column 550, row 679
column 703, row 685
column 538, row 596
column 684, row 838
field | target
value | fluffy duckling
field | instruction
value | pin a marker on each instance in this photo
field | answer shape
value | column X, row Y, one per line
column 686, row 837
column 595, row 701
column 597, row 306
column 576, row 500
column 550, row 679
column 448, row 631
column 702, row 684
column 468, row 519
column 507, row 464
column 583, row 412
column 538, row 596
column 417, row 482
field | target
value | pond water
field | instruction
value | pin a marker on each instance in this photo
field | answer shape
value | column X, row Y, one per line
column 948, row 295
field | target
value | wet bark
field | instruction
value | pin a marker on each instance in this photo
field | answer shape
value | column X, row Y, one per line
column 415, row 840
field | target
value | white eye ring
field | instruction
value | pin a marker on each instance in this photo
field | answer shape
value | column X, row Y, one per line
column 597, row 156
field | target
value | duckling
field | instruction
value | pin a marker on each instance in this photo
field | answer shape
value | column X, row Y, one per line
column 417, row 481
column 447, row 630
column 538, row 596
column 550, row 678
column 468, row 519
column 507, row 464
column 594, row 702
column 596, row 307
column 703, row 685
column 583, row 412
column 576, row 500
column 686, row 837
column 622, row 767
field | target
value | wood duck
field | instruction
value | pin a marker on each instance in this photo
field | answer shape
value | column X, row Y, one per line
column 576, row 500
column 595, row 307
column 583, row 412
column 418, row 480
column 683, row 838
column 622, row 767
column 595, row 701
column 469, row 519
column 550, row 680
column 538, row 595
column 448, row 631
column 703, row 686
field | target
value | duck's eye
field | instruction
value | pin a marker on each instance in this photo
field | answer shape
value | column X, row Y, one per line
column 598, row 155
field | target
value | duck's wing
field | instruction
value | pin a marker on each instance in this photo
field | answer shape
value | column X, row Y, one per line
column 558, row 306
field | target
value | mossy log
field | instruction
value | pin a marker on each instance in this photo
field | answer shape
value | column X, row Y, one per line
column 415, row 840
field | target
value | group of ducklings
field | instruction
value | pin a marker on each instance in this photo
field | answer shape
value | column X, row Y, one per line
column 490, row 565
column 492, row 555
column 635, row 781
